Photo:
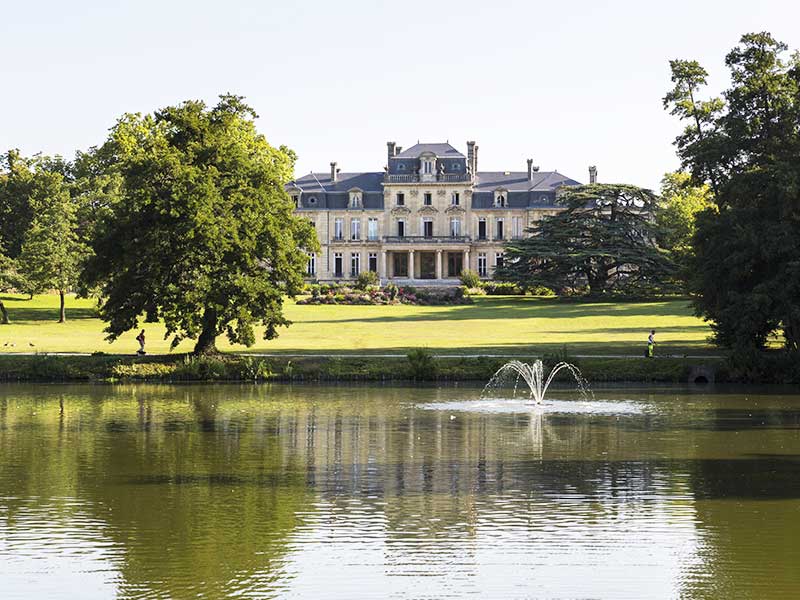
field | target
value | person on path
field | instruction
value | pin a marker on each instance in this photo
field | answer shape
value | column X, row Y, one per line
column 651, row 343
column 140, row 339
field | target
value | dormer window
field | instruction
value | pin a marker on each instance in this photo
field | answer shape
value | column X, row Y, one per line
column 355, row 199
column 401, row 167
column 500, row 199
column 427, row 167
column 296, row 200
column 312, row 200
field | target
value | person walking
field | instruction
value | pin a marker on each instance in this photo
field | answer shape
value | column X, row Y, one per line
column 140, row 339
column 651, row 343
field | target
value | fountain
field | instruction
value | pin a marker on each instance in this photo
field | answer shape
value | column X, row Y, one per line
column 533, row 375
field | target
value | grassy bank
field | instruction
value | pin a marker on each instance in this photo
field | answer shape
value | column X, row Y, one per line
column 422, row 367
column 493, row 325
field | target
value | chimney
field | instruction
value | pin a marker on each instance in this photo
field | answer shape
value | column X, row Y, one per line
column 471, row 156
column 334, row 173
column 390, row 151
column 475, row 160
column 398, row 150
column 592, row 174
column 530, row 169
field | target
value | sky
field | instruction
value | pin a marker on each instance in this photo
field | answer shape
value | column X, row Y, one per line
column 570, row 84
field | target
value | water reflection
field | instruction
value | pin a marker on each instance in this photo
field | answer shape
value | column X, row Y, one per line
column 160, row 491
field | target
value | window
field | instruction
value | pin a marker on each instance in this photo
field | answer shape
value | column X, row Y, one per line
column 455, row 199
column 338, row 229
column 401, row 228
column 427, row 167
column 499, row 257
column 296, row 200
column 311, row 268
column 338, row 267
column 499, row 235
column 500, row 199
column 482, row 271
column 372, row 262
column 516, row 227
column 401, row 167
column 427, row 199
column 312, row 200
column 355, row 264
column 401, row 199
column 372, row 229
column 482, row 228
column 355, row 229
column 455, row 264
column 455, row 227
column 427, row 227
column 455, row 166
column 355, row 199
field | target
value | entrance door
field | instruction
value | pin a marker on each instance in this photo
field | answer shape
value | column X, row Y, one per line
column 400, row 264
column 427, row 265
column 455, row 264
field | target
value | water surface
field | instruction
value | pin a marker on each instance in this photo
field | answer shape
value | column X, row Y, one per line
column 384, row 492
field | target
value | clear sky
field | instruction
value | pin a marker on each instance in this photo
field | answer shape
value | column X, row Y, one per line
column 567, row 83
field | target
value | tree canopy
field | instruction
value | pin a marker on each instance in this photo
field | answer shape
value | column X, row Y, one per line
column 604, row 240
column 203, row 234
column 746, row 261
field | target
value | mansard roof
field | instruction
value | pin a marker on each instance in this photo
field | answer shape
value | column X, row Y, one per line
column 321, row 182
column 441, row 150
column 517, row 181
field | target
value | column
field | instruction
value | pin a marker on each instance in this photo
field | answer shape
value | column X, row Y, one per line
column 466, row 259
column 411, row 264
column 382, row 267
column 438, row 264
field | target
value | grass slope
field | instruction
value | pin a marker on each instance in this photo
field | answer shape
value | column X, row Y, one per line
column 502, row 325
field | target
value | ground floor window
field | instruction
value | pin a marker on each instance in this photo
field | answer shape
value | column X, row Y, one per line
column 311, row 268
column 338, row 266
column 498, row 260
column 455, row 264
column 373, row 262
column 355, row 264
column 482, row 271
column 400, row 265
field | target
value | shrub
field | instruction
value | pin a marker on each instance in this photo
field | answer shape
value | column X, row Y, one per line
column 540, row 290
column 367, row 279
column 392, row 290
column 422, row 364
column 496, row 288
column 470, row 278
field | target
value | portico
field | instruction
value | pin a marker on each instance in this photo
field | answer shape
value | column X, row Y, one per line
column 423, row 263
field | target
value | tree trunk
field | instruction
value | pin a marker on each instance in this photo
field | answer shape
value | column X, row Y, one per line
column 62, row 317
column 206, row 343
column 3, row 314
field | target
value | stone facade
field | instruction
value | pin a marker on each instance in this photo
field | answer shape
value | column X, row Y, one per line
column 427, row 217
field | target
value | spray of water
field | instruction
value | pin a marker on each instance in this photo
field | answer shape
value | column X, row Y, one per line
column 533, row 375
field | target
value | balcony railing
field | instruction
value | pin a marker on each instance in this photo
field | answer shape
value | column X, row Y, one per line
column 438, row 178
column 422, row 239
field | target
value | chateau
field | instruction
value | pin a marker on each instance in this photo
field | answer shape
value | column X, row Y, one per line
column 427, row 217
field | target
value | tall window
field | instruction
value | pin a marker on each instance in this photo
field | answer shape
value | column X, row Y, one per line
column 338, row 266
column 499, row 257
column 311, row 268
column 296, row 200
column 499, row 231
column 401, row 199
column 372, row 262
column 338, row 228
column 355, row 199
column 427, row 167
column 516, row 227
column 482, row 228
column 372, row 229
column 355, row 264
column 455, row 227
column 455, row 199
column 427, row 199
column 355, row 229
column 427, row 227
column 482, row 271
column 401, row 228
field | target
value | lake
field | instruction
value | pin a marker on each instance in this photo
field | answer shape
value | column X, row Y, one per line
column 278, row 491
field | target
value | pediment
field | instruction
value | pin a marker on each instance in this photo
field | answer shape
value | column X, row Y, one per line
column 455, row 209
column 401, row 210
column 428, row 210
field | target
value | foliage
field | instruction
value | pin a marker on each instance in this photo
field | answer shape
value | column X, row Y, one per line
column 605, row 238
column 16, row 213
column 204, row 234
column 366, row 280
column 500, row 288
column 8, row 281
column 343, row 294
column 470, row 279
column 746, row 263
column 51, row 254
column 422, row 364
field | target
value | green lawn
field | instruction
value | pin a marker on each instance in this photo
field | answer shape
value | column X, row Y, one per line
column 507, row 325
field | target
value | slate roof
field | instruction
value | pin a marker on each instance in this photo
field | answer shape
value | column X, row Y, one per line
column 441, row 150
column 517, row 181
column 366, row 182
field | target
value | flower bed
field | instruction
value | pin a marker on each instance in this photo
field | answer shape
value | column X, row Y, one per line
column 391, row 294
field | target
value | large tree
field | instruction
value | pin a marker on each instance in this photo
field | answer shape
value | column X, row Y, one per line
column 746, row 265
column 8, row 281
column 603, row 239
column 51, row 255
column 16, row 214
column 204, row 233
